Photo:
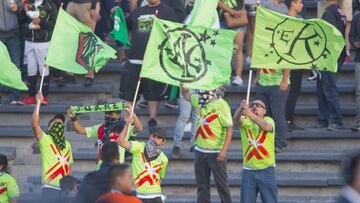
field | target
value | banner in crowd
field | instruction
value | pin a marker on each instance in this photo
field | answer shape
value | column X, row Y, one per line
column 75, row 48
column 120, row 33
column 99, row 108
column 9, row 74
column 204, row 13
column 284, row 42
column 191, row 56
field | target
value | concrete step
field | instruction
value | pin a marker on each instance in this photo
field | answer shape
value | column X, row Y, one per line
column 9, row 152
column 289, row 184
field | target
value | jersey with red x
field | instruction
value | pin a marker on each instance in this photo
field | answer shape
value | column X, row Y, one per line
column 150, row 172
column 59, row 168
column 203, row 126
column 256, row 147
column 2, row 190
column 267, row 70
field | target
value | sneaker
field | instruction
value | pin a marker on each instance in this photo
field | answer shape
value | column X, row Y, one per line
column 27, row 101
column 88, row 81
column 143, row 104
column 356, row 127
column 66, row 79
column 335, row 127
column 320, row 126
column 237, row 81
column 152, row 123
column 45, row 101
column 247, row 61
column 175, row 152
column 192, row 149
column 279, row 149
column 172, row 104
column 292, row 126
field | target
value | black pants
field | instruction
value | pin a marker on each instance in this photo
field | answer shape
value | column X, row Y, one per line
column 154, row 200
column 205, row 164
column 295, row 89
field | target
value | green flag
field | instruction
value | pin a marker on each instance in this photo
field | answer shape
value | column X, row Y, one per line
column 99, row 108
column 204, row 13
column 75, row 48
column 284, row 42
column 192, row 56
column 120, row 32
column 9, row 74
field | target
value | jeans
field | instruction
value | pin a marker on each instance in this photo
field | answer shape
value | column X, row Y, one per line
column 275, row 106
column 255, row 181
column 50, row 193
column 186, row 110
column 13, row 46
column 357, row 77
column 294, row 92
column 205, row 164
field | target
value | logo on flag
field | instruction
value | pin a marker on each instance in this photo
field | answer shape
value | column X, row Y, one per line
column 87, row 50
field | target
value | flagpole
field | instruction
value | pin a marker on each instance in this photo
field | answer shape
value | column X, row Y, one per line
column 249, row 87
column 41, row 85
column 134, row 101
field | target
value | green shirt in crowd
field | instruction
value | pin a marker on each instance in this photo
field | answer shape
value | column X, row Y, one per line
column 55, row 163
column 270, row 77
column 8, row 188
column 258, row 146
column 147, row 175
column 212, row 122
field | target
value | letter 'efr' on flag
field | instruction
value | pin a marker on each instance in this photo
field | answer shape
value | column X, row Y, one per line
column 191, row 56
column 9, row 74
column 75, row 48
column 284, row 42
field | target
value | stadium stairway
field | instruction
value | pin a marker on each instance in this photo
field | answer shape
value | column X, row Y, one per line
column 309, row 171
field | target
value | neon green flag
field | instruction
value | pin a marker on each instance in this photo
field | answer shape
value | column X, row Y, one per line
column 9, row 74
column 192, row 56
column 75, row 48
column 284, row 42
column 120, row 33
column 204, row 13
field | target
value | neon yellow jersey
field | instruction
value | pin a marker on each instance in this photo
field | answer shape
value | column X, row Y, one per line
column 8, row 188
column 258, row 146
column 55, row 163
column 270, row 77
column 212, row 121
column 147, row 175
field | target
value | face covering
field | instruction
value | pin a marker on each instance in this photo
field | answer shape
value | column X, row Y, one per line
column 152, row 149
column 205, row 97
column 57, row 134
column 112, row 124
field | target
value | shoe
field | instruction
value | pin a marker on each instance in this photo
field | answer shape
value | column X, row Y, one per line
column 356, row 127
column 320, row 126
column 292, row 126
column 279, row 149
column 152, row 123
column 143, row 104
column 172, row 104
column 192, row 149
column 45, row 101
column 247, row 61
column 237, row 81
column 27, row 101
column 175, row 152
column 335, row 127
column 66, row 79
column 88, row 81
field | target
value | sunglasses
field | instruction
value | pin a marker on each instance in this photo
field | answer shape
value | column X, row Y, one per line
column 257, row 105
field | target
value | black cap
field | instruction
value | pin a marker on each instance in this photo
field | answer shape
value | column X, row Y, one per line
column 159, row 132
column 59, row 116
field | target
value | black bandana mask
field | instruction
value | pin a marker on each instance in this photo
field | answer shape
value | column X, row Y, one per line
column 152, row 149
column 112, row 124
column 205, row 97
column 57, row 134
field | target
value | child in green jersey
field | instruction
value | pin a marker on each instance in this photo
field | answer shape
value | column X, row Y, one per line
column 148, row 165
column 55, row 151
column 258, row 145
column 9, row 190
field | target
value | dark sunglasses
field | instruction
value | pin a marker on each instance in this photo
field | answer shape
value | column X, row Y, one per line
column 257, row 105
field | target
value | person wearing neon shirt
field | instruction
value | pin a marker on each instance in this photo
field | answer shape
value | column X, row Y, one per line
column 148, row 165
column 108, row 131
column 258, row 145
column 212, row 140
column 9, row 190
column 55, row 152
